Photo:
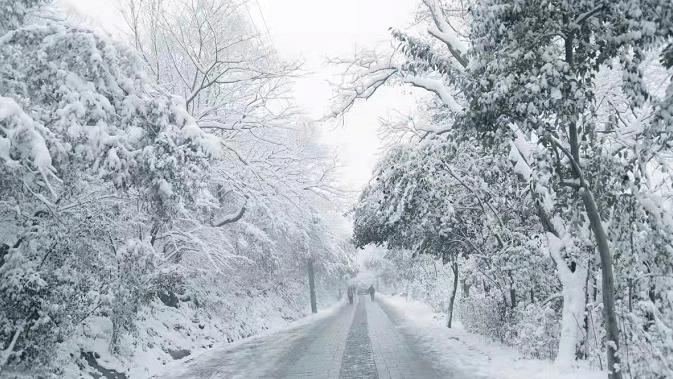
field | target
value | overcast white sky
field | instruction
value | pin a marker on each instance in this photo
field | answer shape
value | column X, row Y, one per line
column 311, row 30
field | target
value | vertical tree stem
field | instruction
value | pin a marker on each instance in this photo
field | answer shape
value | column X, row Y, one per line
column 311, row 286
column 611, row 328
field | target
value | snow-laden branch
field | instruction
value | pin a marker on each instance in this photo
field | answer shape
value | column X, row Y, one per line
column 438, row 88
column 10, row 349
column 575, row 166
column 585, row 16
column 23, row 137
column 444, row 32
column 369, row 82
column 521, row 152
column 368, row 78
column 482, row 204
column 230, row 218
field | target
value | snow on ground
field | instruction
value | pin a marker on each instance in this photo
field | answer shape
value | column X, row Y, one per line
column 471, row 353
column 167, row 337
column 169, row 333
column 282, row 336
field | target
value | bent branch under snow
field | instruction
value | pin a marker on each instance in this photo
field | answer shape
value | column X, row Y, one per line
column 444, row 32
column 231, row 218
column 438, row 88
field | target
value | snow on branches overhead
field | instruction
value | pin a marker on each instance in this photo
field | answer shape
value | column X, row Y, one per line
column 208, row 52
column 415, row 60
column 21, row 142
column 571, row 90
column 446, row 33
column 92, row 99
column 370, row 70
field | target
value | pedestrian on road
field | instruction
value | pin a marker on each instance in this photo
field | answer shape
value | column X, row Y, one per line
column 372, row 291
column 350, row 294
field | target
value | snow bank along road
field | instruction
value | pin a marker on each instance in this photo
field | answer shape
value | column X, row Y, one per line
column 359, row 341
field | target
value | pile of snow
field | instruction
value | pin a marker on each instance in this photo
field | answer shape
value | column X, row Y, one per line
column 470, row 353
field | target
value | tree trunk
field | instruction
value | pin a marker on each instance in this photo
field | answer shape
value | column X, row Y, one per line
column 454, row 268
column 573, row 303
column 466, row 288
column 4, row 358
column 611, row 329
column 311, row 286
column 573, row 310
column 585, row 346
column 512, row 291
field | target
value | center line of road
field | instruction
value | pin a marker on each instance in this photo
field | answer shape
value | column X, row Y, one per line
column 358, row 359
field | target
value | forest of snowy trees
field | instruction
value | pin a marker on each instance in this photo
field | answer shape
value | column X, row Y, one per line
column 538, row 174
column 159, row 184
column 162, row 192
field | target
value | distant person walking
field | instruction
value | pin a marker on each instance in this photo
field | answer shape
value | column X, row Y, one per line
column 350, row 294
column 372, row 291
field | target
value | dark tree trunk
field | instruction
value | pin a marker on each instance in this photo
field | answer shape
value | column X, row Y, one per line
column 311, row 286
column 512, row 291
column 630, row 281
column 585, row 347
column 466, row 288
column 611, row 329
column 454, row 268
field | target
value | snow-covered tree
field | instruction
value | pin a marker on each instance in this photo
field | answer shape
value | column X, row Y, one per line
column 447, row 200
column 535, row 66
column 84, row 141
column 236, row 87
column 113, row 198
column 526, row 74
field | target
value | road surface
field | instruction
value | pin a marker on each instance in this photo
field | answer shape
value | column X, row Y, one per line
column 363, row 340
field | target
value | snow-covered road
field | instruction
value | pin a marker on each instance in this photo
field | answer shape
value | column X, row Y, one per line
column 389, row 338
column 359, row 341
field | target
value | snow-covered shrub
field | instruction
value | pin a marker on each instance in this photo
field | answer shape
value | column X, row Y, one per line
column 535, row 331
column 485, row 315
column 431, row 282
column 648, row 338
column 136, row 268
column 23, row 292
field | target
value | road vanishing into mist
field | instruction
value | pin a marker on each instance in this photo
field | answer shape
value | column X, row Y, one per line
column 362, row 340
